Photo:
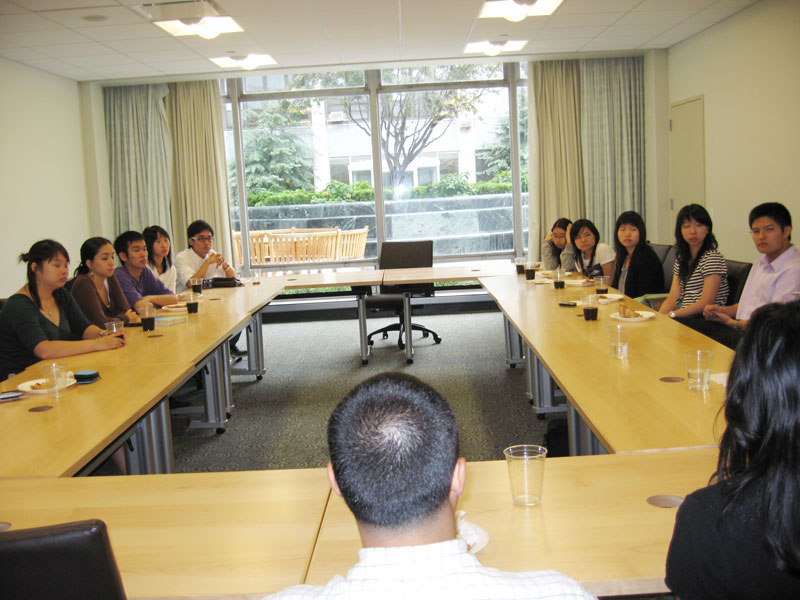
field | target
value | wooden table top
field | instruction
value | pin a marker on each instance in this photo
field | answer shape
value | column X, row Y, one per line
column 188, row 534
column 447, row 272
column 624, row 402
column 82, row 422
column 594, row 523
column 331, row 279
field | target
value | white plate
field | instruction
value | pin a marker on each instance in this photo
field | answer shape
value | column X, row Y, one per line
column 27, row 386
column 475, row 536
column 644, row 315
column 606, row 298
column 175, row 307
column 580, row 282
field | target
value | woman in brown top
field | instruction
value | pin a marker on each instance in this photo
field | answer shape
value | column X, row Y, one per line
column 96, row 289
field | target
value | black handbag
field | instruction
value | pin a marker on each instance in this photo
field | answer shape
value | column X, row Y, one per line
column 222, row 282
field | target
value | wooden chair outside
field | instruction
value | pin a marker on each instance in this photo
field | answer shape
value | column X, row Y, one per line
column 352, row 243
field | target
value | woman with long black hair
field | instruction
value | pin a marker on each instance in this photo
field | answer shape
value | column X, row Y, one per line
column 637, row 270
column 557, row 252
column 700, row 275
column 42, row 320
column 740, row 537
column 592, row 257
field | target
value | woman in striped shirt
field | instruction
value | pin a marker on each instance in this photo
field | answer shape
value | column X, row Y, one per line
column 700, row 275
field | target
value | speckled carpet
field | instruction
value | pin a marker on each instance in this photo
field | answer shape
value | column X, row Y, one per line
column 280, row 421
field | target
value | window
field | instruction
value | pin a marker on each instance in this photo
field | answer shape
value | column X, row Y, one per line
column 445, row 155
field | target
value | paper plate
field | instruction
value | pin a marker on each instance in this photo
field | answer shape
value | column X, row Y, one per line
column 580, row 282
column 28, row 386
column 475, row 536
column 175, row 307
column 644, row 315
column 607, row 298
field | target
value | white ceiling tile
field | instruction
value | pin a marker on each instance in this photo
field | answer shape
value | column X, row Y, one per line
column 273, row 9
column 664, row 17
column 597, row 44
column 146, row 45
column 72, row 50
column 134, row 70
column 38, row 5
column 28, row 22
column 187, row 66
column 682, row 31
column 23, row 54
column 558, row 21
column 108, row 60
column 173, row 56
column 667, row 5
column 140, row 31
column 115, row 15
column 575, row 33
column 552, row 46
column 594, row 6
column 634, row 31
column 45, row 38
column 713, row 15
column 9, row 8
column 360, row 55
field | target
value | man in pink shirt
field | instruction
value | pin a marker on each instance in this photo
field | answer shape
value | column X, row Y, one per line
column 774, row 277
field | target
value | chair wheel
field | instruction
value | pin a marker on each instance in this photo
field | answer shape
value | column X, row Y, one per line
column 424, row 334
column 437, row 340
column 540, row 417
column 220, row 430
column 371, row 342
column 364, row 361
column 409, row 361
column 385, row 335
column 228, row 415
column 512, row 366
column 401, row 345
column 259, row 377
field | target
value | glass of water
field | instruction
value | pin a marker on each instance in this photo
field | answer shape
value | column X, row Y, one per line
column 619, row 338
column 698, row 368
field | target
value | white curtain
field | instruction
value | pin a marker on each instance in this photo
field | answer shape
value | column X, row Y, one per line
column 200, row 182
column 612, row 139
column 140, row 156
column 554, row 93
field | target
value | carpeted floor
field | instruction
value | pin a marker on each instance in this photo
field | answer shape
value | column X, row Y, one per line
column 280, row 422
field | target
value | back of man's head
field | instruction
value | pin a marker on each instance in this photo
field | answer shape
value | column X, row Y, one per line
column 123, row 241
column 393, row 442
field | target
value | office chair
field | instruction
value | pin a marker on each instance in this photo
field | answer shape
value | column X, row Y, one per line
column 402, row 255
column 737, row 277
column 69, row 561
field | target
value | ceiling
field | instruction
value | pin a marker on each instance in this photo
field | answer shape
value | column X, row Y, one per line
column 55, row 35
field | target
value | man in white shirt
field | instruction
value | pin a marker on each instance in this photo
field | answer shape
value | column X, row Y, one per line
column 393, row 442
column 773, row 278
column 199, row 261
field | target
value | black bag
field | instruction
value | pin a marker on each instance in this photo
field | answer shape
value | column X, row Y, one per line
column 223, row 282
column 556, row 440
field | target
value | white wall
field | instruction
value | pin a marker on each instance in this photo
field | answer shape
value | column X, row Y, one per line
column 42, row 186
column 748, row 70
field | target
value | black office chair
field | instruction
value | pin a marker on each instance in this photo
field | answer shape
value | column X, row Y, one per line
column 737, row 276
column 69, row 561
column 402, row 255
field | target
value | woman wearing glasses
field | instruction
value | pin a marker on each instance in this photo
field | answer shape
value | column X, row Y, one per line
column 199, row 261
column 557, row 252
column 738, row 538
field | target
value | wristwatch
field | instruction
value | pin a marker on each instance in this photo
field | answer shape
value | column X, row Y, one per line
column 672, row 314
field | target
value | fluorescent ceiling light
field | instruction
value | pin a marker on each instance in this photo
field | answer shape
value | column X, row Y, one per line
column 248, row 63
column 516, row 11
column 205, row 27
column 494, row 48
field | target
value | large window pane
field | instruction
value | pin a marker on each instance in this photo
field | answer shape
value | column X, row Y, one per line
column 446, row 161
column 303, row 81
column 439, row 74
column 524, row 153
column 299, row 167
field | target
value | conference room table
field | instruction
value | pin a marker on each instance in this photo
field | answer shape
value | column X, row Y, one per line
column 634, row 404
column 241, row 534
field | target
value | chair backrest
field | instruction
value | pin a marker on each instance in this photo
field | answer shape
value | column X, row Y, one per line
column 668, row 262
column 70, row 561
column 352, row 243
column 661, row 250
column 406, row 255
column 737, row 277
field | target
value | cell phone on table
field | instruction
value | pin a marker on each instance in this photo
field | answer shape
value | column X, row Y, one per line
column 9, row 396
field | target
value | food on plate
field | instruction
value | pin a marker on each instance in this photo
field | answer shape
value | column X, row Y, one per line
column 627, row 313
column 41, row 385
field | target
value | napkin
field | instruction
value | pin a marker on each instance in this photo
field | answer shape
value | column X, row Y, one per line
column 720, row 378
column 608, row 300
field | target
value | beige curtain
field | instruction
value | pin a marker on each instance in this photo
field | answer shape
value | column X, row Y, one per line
column 200, row 179
column 555, row 146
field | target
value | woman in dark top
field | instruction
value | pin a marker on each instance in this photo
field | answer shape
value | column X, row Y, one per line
column 553, row 256
column 637, row 270
column 42, row 320
column 96, row 289
column 740, row 537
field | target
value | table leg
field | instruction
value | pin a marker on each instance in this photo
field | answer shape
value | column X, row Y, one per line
column 255, row 349
column 150, row 448
column 362, row 329
column 407, row 325
column 514, row 352
column 216, row 382
column 582, row 441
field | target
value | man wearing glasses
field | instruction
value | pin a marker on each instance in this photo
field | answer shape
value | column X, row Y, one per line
column 773, row 278
column 199, row 261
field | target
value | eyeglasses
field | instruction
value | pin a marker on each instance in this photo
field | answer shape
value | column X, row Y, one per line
column 768, row 229
column 203, row 238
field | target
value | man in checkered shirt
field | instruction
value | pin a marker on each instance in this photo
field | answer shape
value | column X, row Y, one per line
column 393, row 442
